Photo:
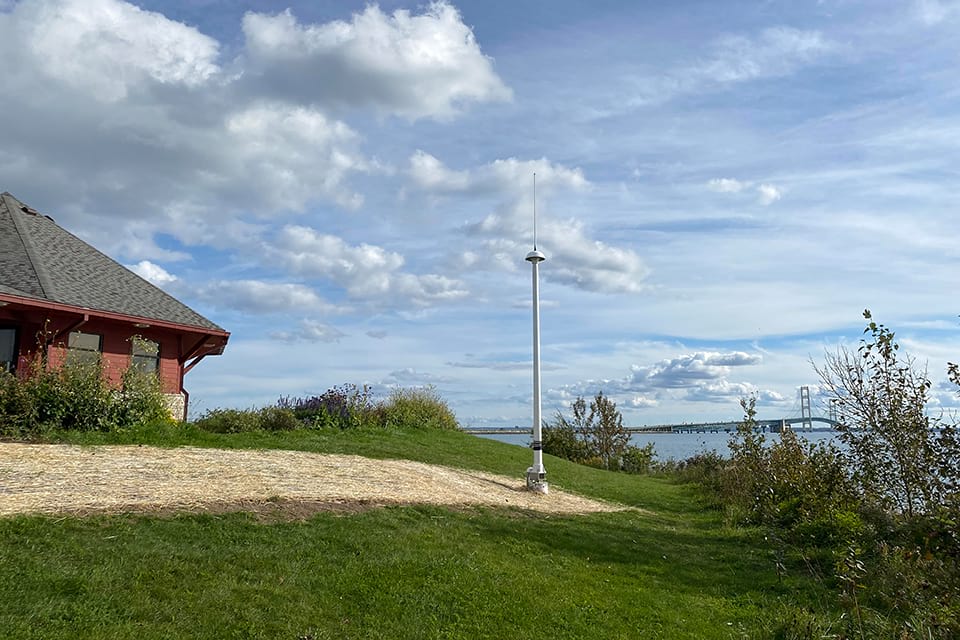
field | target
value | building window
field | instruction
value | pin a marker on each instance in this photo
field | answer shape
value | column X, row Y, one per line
column 8, row 349
column 84, row 348
column 144, row 354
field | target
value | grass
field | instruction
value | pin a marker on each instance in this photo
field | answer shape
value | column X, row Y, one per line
column 400, row 572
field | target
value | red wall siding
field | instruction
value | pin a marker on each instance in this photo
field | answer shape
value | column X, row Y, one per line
column 116, row 345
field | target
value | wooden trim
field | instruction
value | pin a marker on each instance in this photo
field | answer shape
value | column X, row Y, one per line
column 110, row 315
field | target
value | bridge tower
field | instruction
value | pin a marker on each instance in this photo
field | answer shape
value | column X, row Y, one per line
column 805, row 413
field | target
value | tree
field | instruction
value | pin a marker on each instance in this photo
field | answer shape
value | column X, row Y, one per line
column 608, row 437
column 563, row 438
column 895, row 453
column 594, row 435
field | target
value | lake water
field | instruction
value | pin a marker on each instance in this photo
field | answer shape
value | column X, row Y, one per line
column 680, row 446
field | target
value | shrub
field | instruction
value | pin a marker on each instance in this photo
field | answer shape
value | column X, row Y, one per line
column 637, row 459
column 277, row 419
column 229, row 420
column 345, row 407
column 896, row 456
column 419, row 408
column 561, row 439
column 75, row 396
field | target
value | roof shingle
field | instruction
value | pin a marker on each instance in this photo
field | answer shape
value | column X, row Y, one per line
column 39, row 259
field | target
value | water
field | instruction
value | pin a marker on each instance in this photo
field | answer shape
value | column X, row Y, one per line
column 681, row 446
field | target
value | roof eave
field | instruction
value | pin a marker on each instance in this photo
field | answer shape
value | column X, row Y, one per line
column 38, row 303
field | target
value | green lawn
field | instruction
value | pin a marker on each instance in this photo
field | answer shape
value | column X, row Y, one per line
column 400, row 572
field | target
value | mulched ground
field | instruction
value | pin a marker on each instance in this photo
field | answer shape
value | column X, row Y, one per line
column 273, row 484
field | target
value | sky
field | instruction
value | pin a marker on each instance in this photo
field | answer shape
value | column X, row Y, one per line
column 348, row 188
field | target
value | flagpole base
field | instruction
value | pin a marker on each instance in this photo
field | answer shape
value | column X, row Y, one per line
column 536, row 481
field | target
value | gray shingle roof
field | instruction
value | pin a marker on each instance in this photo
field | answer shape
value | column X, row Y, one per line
column 39, row 259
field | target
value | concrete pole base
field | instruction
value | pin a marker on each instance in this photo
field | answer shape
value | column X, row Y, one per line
column 536, row 481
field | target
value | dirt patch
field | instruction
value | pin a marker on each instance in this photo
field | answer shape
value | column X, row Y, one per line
column 274, row 484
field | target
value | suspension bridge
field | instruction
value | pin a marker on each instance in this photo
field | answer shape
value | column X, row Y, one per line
column 805, row 421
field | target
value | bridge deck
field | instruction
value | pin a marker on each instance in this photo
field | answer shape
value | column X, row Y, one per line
column 693, row 427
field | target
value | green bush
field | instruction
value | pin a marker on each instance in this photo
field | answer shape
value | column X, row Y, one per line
column 420, row 408
column 76, row 397
column 278, row 419
column 229, row 420
column 637, row 459
column 561, row 440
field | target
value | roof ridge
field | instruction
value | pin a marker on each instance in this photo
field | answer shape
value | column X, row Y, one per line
column 43, row 279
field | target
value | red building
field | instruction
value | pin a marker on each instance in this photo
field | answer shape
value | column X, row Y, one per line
column 61, row 297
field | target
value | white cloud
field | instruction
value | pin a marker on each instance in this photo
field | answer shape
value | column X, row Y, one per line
column 690, row 369
column 575, row 259
column 153, row 273
column 108, row 48
column 411, row 377
column 696, row 377
column 768, row 194
column 727, row 185
column 366, row 272
column 411, row 65
column 310, row 331
column 502, row 365
column 509, row 175
column 293, row 154
column 774, row 52
column 116, row 113
column 777, row 51
column 933, row 12
column 261, row 297
column 430, row 174
column 641, row 402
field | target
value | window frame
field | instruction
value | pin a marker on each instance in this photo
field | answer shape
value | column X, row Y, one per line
column 138, row 360
column 10, row 366
column 80, row 354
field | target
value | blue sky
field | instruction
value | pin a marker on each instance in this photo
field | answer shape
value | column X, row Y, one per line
column 722, row 187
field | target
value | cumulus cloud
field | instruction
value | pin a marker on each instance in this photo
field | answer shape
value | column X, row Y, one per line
column 262, row 297
column 576, row 259
column 405, row 64
column 702, row 376
column 690, row 369
column 107, row 48
column 256, row 296
column 153, row 273
column 185, row 140
column 377, row 335
column 293, row 154
column 504, row 175
column 310, row 331
column 430, row 174
column 641, row 402
column 252, row 296
column 365, row 271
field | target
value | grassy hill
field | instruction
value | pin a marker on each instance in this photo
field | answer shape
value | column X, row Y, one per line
column 672, row 571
